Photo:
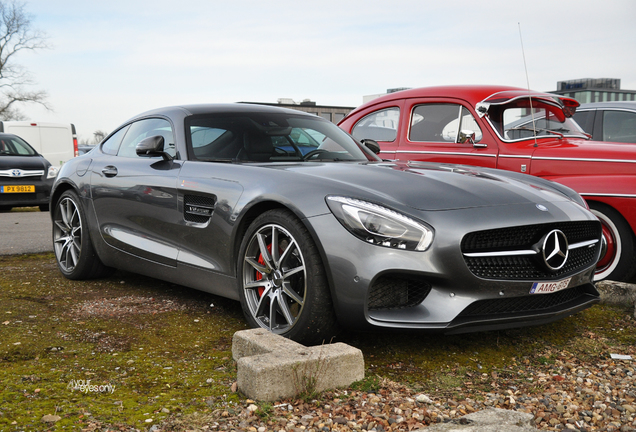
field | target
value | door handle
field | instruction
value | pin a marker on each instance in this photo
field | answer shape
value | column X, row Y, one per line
column 109, row 171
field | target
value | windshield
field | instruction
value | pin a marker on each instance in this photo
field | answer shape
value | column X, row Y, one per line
column 271, row 137
column 521, row 119
column 15, row 146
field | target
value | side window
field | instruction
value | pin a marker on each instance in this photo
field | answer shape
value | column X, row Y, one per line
column 379, row 126
column 111, row 145
column 582, row 118
column 619, row 126
column 441, row 123
column 147, row 128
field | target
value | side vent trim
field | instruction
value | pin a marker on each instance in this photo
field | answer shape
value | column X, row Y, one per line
column 198, row 209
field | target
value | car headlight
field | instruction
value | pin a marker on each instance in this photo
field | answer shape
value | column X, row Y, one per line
column 379, row 225
column 52, row 173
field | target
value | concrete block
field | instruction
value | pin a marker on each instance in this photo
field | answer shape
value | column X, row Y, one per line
column 271, row 367
column 490, row 420
column 617, row 293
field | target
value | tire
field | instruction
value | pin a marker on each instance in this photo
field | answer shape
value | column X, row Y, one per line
column 72, row 245
column 285, row 292
column 44, row 208
column 618, row 261
column 5, row 209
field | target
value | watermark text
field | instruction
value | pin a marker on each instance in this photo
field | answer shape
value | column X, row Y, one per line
column 85, row 386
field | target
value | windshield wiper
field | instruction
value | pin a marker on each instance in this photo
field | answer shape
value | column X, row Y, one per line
column 559, row 134
column 225, row 160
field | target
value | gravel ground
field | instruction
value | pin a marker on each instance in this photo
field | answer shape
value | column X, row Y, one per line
column 567, row 395
column 564, row 392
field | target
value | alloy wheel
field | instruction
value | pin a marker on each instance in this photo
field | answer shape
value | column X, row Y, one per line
column 67, row 234
column 274, row 278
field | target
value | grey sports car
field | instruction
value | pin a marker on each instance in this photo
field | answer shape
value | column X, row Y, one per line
column 311, row 231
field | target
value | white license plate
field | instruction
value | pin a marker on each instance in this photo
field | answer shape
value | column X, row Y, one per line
column 549, row 287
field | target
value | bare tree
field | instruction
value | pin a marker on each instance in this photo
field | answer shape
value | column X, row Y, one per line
column 16, row 35
column 98, row 136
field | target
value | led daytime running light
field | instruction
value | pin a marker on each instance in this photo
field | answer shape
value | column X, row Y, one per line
column 385, row 227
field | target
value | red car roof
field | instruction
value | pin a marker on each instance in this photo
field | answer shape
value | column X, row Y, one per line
column 473, row 94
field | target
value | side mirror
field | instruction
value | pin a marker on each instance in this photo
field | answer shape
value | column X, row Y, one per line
column 151, row 147
column 468, row 135
column 371, row 145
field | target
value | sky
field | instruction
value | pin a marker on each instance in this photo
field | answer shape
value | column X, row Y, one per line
column 110, row 60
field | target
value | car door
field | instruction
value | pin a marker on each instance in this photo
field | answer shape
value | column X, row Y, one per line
column 134, row 197
column 432, row 132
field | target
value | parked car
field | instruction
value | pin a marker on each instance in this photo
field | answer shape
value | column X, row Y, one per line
column 57, row 142
column 608, row 121
column 26, row 177
column 513, row 129
column 84, row 148
column 227, row 199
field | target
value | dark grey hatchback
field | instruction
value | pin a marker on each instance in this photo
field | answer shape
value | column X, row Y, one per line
column 309, row 230
column 26, row 177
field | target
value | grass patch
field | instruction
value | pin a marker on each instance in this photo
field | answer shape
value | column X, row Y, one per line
column 122, row 350
column 131, row 350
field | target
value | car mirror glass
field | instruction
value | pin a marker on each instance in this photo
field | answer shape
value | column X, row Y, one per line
column 371, row 145
column 152, row 147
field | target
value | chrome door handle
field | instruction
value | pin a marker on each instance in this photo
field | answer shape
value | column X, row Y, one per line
column 109, row 171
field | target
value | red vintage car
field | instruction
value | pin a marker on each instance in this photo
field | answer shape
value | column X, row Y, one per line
column 517, row 130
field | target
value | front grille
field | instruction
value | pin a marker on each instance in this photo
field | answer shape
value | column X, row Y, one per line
column 197, row 208
column 527, row 304
column 529, row 267
column 397, row 292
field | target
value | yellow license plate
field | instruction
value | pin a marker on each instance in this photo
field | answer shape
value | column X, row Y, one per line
column 18, row 189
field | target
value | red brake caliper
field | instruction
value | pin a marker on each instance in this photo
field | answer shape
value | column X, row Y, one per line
column 261, row 261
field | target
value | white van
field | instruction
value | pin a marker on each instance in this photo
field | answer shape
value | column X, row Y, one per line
column 57, row 142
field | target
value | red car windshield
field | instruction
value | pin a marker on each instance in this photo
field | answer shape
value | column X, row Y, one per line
column 519, row 117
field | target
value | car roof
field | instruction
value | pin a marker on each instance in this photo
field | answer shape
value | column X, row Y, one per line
column 225, row 108
column 627, row 105
column 473, row 94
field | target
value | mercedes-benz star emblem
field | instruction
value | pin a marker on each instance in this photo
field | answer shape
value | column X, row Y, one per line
column 555, row 249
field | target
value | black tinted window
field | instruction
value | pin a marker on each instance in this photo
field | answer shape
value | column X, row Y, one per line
column 269, row 137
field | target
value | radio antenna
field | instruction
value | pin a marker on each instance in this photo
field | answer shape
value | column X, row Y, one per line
column 525, row 66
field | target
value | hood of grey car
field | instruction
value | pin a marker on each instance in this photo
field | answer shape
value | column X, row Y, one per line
column 431, row 186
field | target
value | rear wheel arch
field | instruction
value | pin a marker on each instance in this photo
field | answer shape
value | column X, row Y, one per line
column 59, row 190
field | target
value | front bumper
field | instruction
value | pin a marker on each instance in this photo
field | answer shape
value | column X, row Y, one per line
column 435, row 290
column 41, row 196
